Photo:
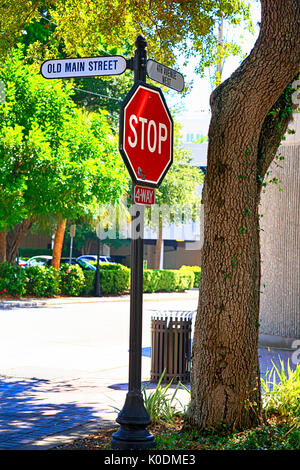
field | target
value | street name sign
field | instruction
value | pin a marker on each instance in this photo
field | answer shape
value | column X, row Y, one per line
column 146, row 134
column 143, row 195
column 164, row 75
column 83, row 67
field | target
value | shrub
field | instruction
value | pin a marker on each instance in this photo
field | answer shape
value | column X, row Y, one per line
column 167, row 280
column 42, row 281
column 114, row 278
column 151, row 278
column 186, row 280
column 197, row 273
column 109, row 266
column 121, row 279
column 71, row 279
column 12, row 280
column 162, row 406
column 282, row 391
column 88, row 288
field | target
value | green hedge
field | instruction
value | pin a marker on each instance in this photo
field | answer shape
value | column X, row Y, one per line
column 12, row 280
column 113, row 279
column 71, row 280
column 167, row 280
column 40, row 281
column 154, row 280
column 194, row 269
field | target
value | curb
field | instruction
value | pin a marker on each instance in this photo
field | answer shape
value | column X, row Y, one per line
column 147, row 297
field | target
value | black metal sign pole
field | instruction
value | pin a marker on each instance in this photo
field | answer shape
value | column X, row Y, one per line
column 134, row 418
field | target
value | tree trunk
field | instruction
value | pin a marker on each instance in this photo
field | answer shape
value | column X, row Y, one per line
column 225, row 379
column 14, row 238
column 58, row 242
column 158, row 246
column 2, row 246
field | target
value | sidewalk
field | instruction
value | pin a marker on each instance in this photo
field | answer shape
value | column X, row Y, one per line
column 45, row 410
column 38, row 413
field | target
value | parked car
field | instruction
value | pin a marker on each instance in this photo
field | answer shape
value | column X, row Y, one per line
column 20, row 262
column 84, row 264
column 102, row 258
column 38, row 260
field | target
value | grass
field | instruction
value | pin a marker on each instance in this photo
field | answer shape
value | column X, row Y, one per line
column 275, row 434
column 282, row 391
column 160, row 405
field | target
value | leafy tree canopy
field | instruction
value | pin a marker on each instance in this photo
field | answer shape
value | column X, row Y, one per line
column 91, row 26
column 55, row 158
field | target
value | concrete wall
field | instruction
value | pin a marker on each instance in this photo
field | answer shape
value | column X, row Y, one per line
column 280, row 247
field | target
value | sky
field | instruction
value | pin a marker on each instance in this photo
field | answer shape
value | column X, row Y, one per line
column 197, row 101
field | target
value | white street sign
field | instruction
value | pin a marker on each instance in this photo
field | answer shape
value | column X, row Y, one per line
column 83, row 67
column 164, row 75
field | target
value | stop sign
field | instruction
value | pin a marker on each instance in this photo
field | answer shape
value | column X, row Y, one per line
column 146, row 134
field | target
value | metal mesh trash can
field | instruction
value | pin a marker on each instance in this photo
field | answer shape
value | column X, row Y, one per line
column 171, row 346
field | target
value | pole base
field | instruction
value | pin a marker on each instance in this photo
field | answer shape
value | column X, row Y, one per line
column 133, row 420
column 129, row 438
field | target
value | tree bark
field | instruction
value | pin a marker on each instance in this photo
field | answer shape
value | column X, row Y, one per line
column 225, row 378
column 14, row 238
column 2, row 246
column 58, row 242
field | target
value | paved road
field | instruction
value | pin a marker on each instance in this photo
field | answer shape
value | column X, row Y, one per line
column 64, row 365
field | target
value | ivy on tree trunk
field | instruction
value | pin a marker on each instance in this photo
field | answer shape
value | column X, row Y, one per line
column 225, row 378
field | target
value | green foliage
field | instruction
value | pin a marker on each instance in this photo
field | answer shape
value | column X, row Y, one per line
column 71, row 279
column 12, row 280
column 280, row 430
column 162, row 406
column 55, row 158
column 88, row 288
column 268, row 436
column 282, row 391
column 168, row 280
column 114, row 278
column 45, row 281
column 85, row 28
column 42, row 281
column 197, row 273
column 118, row 280
column 151, row 280
column 30, row 252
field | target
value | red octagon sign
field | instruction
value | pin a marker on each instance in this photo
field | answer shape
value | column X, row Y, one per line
column 146, row 135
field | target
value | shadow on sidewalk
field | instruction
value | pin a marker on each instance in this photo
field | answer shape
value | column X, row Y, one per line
column 26, row 417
